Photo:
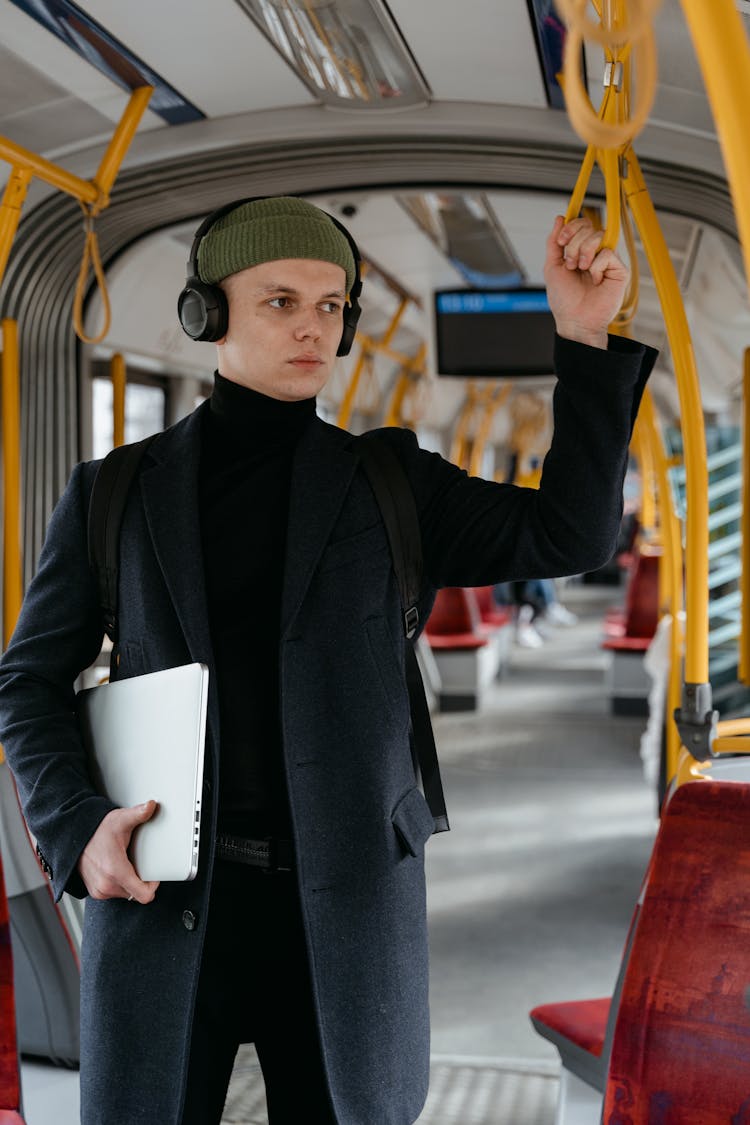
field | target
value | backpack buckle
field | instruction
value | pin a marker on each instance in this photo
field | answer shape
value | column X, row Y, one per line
column 411, row 621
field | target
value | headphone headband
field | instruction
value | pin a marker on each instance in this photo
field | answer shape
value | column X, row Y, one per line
column 203, row 309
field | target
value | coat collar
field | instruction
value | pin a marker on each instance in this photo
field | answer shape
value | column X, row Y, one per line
column 324, row 464
column 169, row 487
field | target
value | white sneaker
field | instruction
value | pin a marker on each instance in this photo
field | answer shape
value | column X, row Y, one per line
column 527, row 636
column 557, row 614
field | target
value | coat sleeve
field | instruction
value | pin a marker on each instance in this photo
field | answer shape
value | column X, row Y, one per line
column 476, row 532
column 59, row 633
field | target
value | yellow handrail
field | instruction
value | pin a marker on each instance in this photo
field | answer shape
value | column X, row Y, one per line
column 670, row 571
column 691, row 413
column 93, row 195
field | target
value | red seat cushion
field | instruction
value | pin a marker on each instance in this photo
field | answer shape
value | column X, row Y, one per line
column 627, row 644
column 583, row 1022
column 467, row 641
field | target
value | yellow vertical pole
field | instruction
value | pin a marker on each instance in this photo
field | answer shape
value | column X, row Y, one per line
column 670, row 570
column 10, row 212
column 347, row 403
column 744, row 654
column 119, row 378
column 723, row 53
column 11, row 429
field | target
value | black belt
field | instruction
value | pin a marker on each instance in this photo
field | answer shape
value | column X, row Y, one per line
column 271, row 854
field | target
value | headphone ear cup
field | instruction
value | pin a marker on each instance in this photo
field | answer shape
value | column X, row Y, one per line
column 351, row 319
column 203, row 310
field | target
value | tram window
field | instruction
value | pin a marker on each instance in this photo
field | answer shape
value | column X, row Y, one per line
column 145, row 412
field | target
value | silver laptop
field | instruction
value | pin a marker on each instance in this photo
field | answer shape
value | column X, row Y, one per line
column 146, row 738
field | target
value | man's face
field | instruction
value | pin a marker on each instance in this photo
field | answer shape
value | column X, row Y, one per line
column 285, row 325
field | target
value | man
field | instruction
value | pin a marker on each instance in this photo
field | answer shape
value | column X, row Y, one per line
column 252, row 542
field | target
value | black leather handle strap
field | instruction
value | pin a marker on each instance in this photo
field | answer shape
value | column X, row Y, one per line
column 399, row 511
column 106, row 506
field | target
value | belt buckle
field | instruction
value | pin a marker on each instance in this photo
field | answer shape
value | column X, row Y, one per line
column 275, row 858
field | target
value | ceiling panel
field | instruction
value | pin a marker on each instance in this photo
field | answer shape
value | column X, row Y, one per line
column 212, row 53
column 480, row 50
column 59, row 68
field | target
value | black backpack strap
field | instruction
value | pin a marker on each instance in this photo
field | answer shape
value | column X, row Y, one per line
column 106, row 506
column 395, row 499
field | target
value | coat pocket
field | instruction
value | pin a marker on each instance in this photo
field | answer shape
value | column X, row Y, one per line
column 413, row 821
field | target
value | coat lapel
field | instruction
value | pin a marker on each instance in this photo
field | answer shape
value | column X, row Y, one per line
column 324, row 465
column 170, row 501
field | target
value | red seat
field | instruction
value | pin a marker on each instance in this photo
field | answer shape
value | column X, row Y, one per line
column 10, row 1085
column 489, row 611
column 681, row 1045
column 677, row 1031
column 454, row 621
column 632, row 628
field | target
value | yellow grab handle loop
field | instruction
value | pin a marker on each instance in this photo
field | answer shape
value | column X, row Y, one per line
column 643, row 12
column 91, row 257
column 586, row 122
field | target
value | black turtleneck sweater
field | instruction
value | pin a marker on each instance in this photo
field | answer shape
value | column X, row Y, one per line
column 245, row 472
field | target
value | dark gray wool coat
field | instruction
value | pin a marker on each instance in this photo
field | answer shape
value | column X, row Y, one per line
column 359, row 822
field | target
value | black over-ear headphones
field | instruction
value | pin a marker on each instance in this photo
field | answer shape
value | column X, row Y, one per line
column 203, row 309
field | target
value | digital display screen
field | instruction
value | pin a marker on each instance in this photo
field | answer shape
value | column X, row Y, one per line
column 491, row 333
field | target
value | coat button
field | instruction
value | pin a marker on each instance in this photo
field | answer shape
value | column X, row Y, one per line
column 189, row 920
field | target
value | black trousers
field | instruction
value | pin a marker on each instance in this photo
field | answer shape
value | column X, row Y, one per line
column 254, row 987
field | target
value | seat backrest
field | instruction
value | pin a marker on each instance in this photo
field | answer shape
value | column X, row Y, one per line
column 455, row 611
column 10, row 1087
column 642, row 596
column 681, row 1044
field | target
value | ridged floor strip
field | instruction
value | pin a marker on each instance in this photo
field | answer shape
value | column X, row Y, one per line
column 461, row 1093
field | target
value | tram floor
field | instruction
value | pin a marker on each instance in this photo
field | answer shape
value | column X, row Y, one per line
column 529, row 895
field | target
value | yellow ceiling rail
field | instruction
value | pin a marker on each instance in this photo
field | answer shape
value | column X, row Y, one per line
column 11, row 433
column 118, row 374
column 93, row 195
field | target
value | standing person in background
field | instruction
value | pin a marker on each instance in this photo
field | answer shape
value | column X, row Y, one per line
column 252, row 542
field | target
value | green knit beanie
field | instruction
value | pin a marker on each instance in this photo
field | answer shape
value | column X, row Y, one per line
column 267, row 230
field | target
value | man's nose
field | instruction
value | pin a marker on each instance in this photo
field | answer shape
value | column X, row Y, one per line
column 308, row 325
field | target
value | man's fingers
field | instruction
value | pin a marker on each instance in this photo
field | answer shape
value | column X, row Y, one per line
column 607, row 264
column 138, row 814
column 137, row 891
column 555, row 252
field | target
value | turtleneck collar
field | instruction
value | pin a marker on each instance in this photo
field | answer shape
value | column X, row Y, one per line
column 237, row 411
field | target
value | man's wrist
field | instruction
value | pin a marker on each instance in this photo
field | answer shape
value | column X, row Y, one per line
column 580, row 336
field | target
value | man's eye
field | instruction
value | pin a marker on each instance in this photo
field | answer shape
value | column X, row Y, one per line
column 279, row 302
column 331, row 306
